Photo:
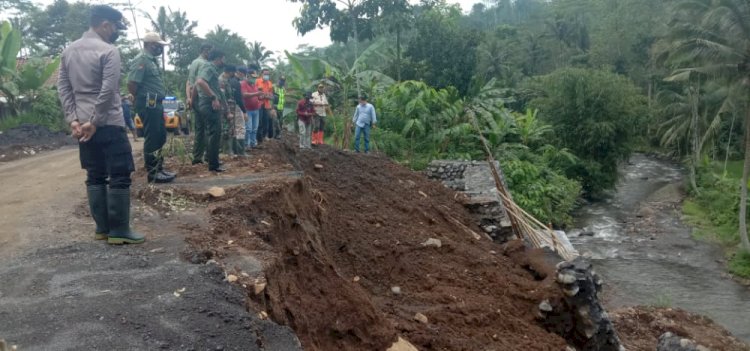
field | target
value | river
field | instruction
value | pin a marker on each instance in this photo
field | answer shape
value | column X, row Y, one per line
column 662, row 264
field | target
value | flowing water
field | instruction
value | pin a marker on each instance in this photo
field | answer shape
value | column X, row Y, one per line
column 662, row 265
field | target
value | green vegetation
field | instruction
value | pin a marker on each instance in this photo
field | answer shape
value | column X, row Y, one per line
column 663, row 301
column 713, row 211
column 595, row 114
column 740, row 264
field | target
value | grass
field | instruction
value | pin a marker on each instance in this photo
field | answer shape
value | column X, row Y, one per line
column 663, row 301
column 713, row 212
column 698, row 217
column 740, row 264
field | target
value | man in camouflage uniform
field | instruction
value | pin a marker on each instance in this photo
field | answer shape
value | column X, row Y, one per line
column 191, row 93
column 234, row 128
column 145, row 83
column 211, row 104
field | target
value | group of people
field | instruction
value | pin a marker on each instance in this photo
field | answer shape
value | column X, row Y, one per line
column 247, row 104
column 244, row 101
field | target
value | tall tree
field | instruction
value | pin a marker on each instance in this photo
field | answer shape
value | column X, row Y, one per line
column 184, row 44
column 712, row 37
column 233, row 45
column 442, row 52
column 259, row 55
column 59, row 24
column 597, row 114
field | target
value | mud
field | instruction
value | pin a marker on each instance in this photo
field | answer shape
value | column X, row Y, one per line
column 28, row 140
column 61, row 290
column 641, row 327
column 341, row 252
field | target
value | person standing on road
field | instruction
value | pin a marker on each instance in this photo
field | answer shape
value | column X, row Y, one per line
column 240, row 113
column 88, row 86
column 128, row 115
column 234, row 115
column 191, row 93
column 211, row 103
column 279, row 95
column 250, row 97
column 305, row 114
column 265, row 129
column 145, row 83
column 364, row 119
column 320, row 101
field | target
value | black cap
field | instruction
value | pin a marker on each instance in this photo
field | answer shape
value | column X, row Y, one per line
column 101, row 13
column 242, row 69
column 230, row 68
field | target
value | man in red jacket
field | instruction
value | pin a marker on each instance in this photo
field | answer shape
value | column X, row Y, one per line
column 305, row 114
column 250, row 97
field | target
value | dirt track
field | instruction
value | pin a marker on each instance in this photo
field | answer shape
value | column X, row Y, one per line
column 60, row 290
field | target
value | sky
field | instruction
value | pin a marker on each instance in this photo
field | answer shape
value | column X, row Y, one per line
column 267, row 21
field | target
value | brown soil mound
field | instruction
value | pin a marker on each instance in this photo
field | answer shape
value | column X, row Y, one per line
column 640, row 327
column 339, row 241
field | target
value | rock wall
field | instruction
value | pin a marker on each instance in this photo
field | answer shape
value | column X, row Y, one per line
column 474, row 178
column 580, row 317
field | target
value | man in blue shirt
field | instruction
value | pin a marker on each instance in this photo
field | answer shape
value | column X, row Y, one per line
column 364, row 119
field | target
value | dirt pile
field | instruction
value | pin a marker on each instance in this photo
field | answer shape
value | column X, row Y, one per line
column 640, row 328
column 349, row 265
column 28, row 140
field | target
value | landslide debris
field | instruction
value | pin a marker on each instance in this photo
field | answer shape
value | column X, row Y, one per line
column 336, row 243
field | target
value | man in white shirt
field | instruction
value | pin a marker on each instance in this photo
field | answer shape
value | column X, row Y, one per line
column 320, row 102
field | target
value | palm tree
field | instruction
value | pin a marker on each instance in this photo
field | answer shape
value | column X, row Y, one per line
column 712, row 37
column 259, row 54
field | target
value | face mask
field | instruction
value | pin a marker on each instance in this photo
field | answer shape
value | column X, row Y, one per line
column 282, row 82
column 114, row 36
column 157, row 50
column 266, row 77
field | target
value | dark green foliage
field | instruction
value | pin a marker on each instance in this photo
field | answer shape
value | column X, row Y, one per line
column 58, row 24
column 442, row 53
column 543, row 192
column 595, row 115
column 740, row 264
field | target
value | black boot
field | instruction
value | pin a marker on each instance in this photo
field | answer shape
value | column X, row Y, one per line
column 239, row 146
column 118, row 205
column 97, row 195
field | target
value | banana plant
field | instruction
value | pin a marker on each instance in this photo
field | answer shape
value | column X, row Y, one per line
column 10, row 45
column 343, row 80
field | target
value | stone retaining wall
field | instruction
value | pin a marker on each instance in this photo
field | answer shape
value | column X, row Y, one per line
column 474, row 178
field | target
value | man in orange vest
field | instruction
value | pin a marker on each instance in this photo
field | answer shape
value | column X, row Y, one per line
column 264, row 84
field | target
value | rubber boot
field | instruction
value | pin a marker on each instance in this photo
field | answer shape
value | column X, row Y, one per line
column 321, row 138
column 239, row 146
column 118, row 205
column 315, row 138
column 97, row 195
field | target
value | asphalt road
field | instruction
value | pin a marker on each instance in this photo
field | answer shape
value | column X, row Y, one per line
column 61, row 290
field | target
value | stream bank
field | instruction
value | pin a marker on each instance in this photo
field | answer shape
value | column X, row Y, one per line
column 647, row 255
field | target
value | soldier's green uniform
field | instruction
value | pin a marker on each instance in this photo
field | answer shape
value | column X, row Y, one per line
column 211, row 121
column 148, row 104
column 226, row 132
column 199, row 147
